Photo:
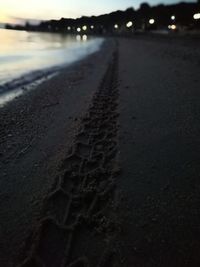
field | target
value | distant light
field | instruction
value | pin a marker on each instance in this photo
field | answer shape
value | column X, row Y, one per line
column 69, row 28
column 85, row 37
column 78, row 29
column 78, row 37
column 129, row 24
column 151, row 21
column 173, row 17
column 196, row 16
column 84, row 28
column 173, row 27
column 92, row 27
column 116, row 26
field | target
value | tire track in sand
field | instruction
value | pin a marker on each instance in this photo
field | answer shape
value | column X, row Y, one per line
column 80, row 222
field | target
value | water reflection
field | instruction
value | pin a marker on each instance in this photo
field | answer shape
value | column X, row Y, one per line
column 22, row 52
column 81, row 37
column 26, row 57
column 78, row 37
column 85, row 37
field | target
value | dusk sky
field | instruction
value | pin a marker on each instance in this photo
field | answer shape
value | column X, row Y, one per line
column 15, row 11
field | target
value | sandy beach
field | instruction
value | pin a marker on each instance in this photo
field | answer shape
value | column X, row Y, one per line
column 100, row 164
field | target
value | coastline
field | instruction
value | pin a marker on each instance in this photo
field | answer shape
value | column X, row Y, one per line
column 101, row 163
column 25, row 67
column 32, row 150
column 31, row 80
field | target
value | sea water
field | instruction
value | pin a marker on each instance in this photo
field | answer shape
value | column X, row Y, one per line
column 27, row 57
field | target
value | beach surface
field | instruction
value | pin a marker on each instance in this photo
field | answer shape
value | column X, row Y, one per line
column 100, row 164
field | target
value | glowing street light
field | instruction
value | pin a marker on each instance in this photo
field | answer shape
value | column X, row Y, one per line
column 151, row 21
column 173, row 17
column 116, row 26
column 84, row 28
column 172, row 27
column 78, row 29
column 196, row 16
column 129, row 24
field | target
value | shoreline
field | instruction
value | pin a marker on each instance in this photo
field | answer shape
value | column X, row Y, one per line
column 31, row 150
column 25, row 84
column 100, row 165
column 25, row 69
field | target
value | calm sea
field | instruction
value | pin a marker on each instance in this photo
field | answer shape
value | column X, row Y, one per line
column 28, row 56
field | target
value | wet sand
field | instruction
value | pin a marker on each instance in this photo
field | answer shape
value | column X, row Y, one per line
column 36, row 132
column 104, row 170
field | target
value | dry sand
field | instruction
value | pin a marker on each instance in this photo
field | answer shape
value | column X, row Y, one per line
column 159, row 152
column 100, row 165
